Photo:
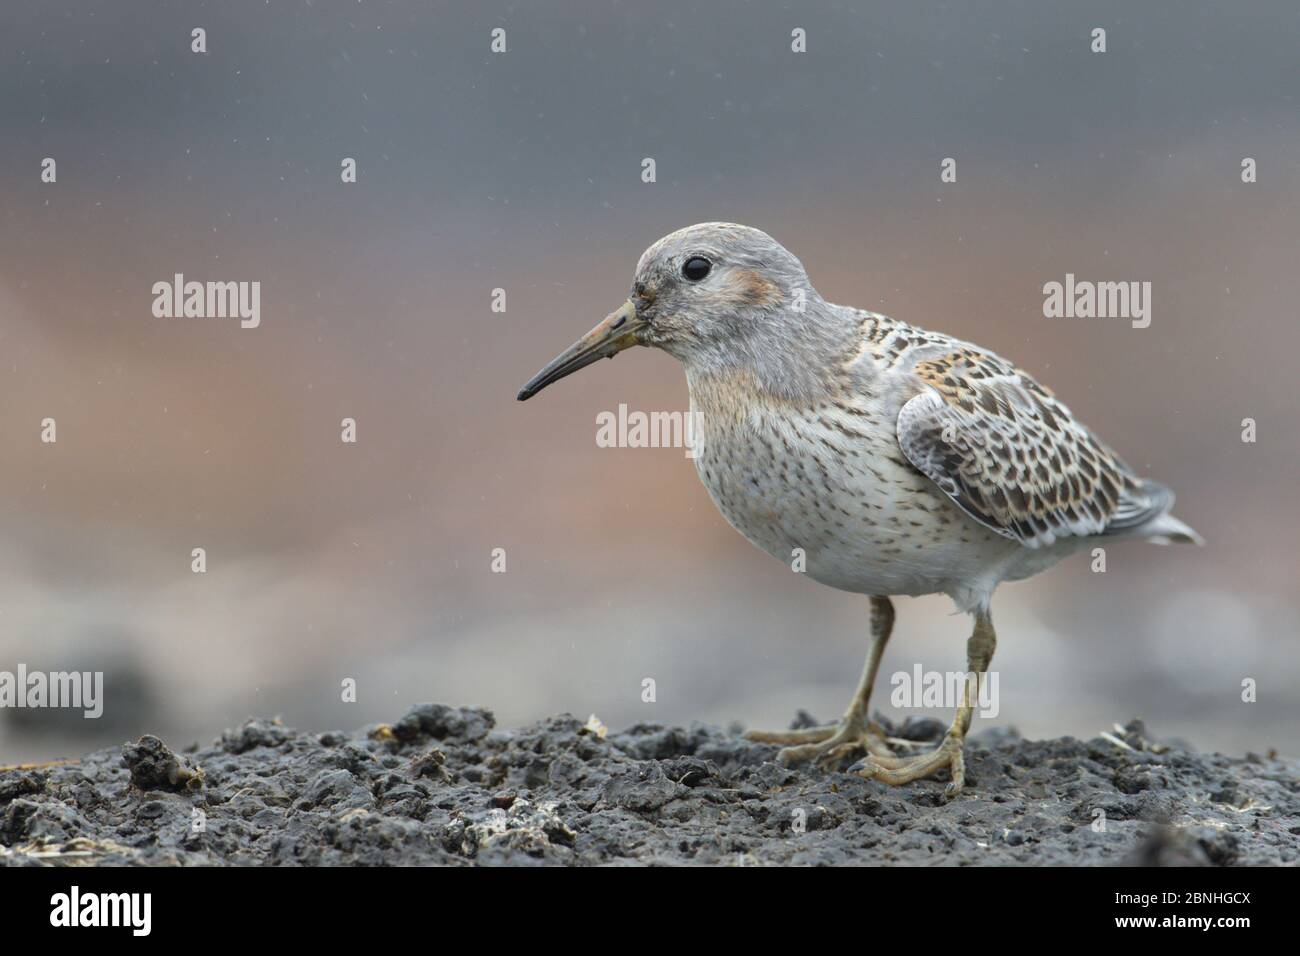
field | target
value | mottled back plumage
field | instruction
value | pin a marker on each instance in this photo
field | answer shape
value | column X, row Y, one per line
column 1011, row 455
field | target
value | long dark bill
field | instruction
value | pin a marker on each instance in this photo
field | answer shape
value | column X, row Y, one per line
column 616, row 333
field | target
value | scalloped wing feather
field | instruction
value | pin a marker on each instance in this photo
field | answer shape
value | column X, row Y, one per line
column 1013, row 457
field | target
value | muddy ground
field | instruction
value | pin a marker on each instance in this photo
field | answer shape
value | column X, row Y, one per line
column 443, row 786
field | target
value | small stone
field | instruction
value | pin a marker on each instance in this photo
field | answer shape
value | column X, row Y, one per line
column 154, row 767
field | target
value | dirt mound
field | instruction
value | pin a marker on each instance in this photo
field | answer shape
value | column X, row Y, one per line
column 443, row 786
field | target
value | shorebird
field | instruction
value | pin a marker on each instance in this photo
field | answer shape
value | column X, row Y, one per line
column 895, row 460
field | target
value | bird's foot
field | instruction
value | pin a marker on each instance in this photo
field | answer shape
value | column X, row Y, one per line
column 825, row 744
column 897, row 771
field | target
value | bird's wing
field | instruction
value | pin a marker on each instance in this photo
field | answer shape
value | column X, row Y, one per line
column 1012, row 456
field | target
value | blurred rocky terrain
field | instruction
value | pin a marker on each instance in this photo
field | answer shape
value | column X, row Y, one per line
column 442, row 786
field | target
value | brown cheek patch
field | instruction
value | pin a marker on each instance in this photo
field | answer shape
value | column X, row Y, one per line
column 752, row 288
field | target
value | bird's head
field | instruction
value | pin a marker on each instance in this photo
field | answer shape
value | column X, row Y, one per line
column 710, row 294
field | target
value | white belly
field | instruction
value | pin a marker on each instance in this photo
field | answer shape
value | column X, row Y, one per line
column 863, row 519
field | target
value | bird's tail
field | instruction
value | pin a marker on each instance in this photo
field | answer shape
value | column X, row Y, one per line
column 1144, row 512
column 1169, row 530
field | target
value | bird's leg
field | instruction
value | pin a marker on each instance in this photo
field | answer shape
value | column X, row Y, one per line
column 897, row 770
column 854, row 731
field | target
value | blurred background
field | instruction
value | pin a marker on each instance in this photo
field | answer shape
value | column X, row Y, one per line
column 522, row 171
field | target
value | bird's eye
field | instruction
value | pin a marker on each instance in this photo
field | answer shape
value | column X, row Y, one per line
column 696, row 268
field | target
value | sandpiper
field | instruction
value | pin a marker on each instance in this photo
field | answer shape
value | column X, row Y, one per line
column 898, row 461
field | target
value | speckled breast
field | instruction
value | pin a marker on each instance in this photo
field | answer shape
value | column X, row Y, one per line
column 830, row 481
